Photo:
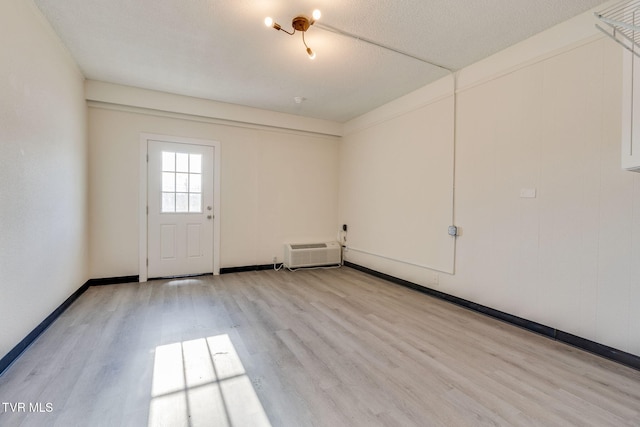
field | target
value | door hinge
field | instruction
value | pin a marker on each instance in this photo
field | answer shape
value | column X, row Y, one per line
column 147, row 262
column 147, row 158
column 147, row 210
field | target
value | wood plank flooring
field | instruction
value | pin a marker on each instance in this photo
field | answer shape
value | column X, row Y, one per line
column 306, row 348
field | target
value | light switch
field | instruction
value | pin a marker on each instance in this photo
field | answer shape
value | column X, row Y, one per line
column 528, row 193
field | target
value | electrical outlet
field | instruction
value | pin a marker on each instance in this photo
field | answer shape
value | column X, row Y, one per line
column 528, row 193
column 275, row 259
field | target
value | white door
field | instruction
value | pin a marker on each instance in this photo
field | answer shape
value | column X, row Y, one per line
column 180, row 209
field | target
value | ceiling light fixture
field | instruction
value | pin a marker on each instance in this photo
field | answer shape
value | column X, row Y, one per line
column 300, row 23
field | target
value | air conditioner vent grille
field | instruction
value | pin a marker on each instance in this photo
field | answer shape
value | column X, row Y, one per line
column 309, row 246
column 312, row 254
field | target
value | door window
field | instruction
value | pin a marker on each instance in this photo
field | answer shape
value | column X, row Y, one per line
column 181, row 182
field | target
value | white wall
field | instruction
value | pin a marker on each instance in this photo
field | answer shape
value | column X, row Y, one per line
column 277, row 185
column 397, row 197
column 544, row 114
column 43, row 173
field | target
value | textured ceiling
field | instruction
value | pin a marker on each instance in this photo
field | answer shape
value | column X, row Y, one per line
column 221, row 50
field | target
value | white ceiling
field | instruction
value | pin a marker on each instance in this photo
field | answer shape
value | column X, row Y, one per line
column 221, row 50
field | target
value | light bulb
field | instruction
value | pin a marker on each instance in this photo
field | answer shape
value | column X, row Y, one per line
column 316, row 14
column 312, row 54
column 268, row 21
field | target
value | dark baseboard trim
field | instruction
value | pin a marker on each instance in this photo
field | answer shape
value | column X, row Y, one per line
column 16, row 351
column 13, row 355
column 602, row 350
column 228, row 270
column 113, row 280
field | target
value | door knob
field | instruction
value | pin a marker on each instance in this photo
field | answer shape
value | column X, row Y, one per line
column 209, row 216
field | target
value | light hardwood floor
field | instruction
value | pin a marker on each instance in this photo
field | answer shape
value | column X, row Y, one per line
column 306, row 348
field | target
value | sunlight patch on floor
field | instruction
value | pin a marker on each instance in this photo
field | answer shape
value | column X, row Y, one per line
column 203, row 382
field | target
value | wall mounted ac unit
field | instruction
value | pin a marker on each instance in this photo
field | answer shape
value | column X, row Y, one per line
column 312, row 254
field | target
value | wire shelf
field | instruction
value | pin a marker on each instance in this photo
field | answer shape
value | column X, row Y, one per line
column 622, row 21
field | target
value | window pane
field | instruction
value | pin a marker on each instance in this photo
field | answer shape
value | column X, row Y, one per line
column 168, row 181
column 195, row 165
column 182, row 162
column 168, row 161
column 182, row 202
column 195, row 204
column 182, row 182
column 195, row 185
column 168, row 202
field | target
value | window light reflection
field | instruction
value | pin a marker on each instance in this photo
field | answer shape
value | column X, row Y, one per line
column 203, row 382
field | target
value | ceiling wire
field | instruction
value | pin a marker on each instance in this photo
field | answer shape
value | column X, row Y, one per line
column 374, row 43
